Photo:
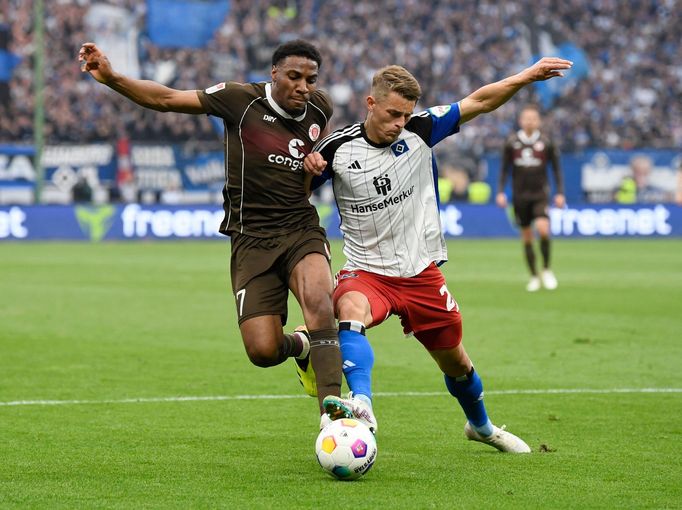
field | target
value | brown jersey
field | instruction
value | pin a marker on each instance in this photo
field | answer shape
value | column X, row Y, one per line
column 264, row 193
column 527, row 157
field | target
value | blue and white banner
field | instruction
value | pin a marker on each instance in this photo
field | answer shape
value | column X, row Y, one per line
column 162, row 167
column 65, row 165
column 154, row 167
column 592, row 176
column 184, row 23
column 16, row 165
column 135, row 221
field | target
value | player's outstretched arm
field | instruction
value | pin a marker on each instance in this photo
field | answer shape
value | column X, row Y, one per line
column 147, row 93
column 492, row 96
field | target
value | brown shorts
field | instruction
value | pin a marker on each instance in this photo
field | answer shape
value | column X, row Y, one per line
column 261, row 268
column 525, row 211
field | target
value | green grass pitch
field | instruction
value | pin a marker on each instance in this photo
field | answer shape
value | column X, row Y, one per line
column 95, row 327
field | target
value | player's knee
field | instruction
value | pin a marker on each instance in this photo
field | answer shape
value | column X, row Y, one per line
column 348, row 307
column 263, row 354
column 542, row 226
column 263, row 360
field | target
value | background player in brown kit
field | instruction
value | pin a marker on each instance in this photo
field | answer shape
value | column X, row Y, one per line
column 277, row 243
column 526, row 155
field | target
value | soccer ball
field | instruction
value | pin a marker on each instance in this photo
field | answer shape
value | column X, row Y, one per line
column 346, row 449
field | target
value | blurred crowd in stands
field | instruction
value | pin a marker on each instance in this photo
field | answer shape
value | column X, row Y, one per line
column 631, row 98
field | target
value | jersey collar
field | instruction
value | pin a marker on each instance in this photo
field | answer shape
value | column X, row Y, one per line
column 528, row 140
column 278, row 108
column 363, row 131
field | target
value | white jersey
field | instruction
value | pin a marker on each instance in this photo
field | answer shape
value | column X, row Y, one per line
column 387, row 194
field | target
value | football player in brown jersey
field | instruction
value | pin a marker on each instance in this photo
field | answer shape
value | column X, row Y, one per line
column 526, row 155
column 277, row 242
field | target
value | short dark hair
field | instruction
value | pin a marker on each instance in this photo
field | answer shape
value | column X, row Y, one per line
column 298, row 48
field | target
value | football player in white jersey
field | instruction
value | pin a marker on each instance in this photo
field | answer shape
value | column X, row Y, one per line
column 386, row 193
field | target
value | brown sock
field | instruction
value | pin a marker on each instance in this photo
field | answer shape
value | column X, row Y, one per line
column 544, row 249
column 291, row 347
column 530, row 257
column 325, row 356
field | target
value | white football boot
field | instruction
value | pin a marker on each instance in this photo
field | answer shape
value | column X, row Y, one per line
column 500, row 439
column 351, row 407
column 533, row 284
column 324, row 420
column 549, row 280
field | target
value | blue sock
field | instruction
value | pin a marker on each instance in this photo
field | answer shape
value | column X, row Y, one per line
column 468, row 390
column 358, row 357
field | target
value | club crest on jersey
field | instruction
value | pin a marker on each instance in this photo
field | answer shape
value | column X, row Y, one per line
column 539, row 146
column 439, row 111
column 399, row 148
column 314, row 132
column 382, row 184
column 215, row 88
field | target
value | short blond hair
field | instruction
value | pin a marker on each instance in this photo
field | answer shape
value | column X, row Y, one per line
column 395, row 79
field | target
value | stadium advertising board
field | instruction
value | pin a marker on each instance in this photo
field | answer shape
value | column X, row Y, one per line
column 135, row 221
column 109, row 222
column 584, row 221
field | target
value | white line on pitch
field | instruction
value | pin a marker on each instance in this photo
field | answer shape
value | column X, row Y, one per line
column 143, row 400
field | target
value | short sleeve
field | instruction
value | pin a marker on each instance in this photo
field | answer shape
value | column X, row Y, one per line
column 436, row 123
column 224, row 99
